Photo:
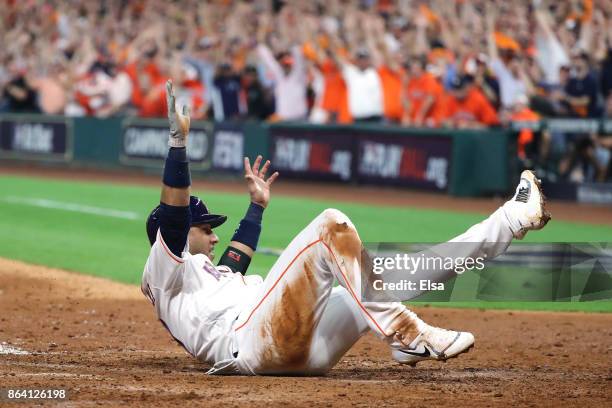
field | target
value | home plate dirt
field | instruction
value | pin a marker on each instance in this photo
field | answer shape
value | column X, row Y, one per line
column 100, row 341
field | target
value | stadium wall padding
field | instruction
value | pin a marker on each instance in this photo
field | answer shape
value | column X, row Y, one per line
column 459, row 162
column 97, row 141
column 481, row 162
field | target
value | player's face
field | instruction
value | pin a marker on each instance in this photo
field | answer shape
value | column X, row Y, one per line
column 202, row 240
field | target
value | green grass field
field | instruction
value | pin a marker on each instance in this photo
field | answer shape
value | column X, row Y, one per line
column 57, row 223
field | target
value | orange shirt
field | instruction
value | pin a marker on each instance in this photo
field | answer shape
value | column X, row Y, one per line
column 473, row 108
column 525, row 135
column 438, row 110
column 196, row 96
column 392, row 92
column 154, row 78
column 587, row 12
column 505, row 42
column 335, row 95
column 154, row 103
column 418, row 90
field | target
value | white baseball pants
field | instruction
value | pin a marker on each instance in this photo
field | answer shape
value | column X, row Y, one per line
column 297, row 324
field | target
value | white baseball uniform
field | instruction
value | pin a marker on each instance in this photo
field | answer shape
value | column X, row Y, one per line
column 294, row 321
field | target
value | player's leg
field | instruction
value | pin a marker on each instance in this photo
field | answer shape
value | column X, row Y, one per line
column 341, row 325
column 524, row 212
column 275, row 333
column 487, row 239
column 276, row 329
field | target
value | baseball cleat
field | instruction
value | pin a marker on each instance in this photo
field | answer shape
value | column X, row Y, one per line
column 526, row 211
column 434, row 343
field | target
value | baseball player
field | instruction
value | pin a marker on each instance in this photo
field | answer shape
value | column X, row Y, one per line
column 293, row 322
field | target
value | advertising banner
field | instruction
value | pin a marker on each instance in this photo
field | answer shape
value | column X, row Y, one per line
column 373, row 156
column 145, row 142
column 36, row 137
column 315, row 155
column 228, row 147
column 405, row 160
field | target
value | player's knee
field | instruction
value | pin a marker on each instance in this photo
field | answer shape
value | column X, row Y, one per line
column 337, row 230
column 332, row 214
column 335, row 220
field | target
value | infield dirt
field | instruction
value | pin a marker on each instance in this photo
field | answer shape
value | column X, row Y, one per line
column 101, row 341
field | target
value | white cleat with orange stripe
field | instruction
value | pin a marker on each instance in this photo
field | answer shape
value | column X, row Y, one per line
column 434, row 343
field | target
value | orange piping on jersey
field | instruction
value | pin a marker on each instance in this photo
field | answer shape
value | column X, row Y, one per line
column 348, row 285
column 343, row 277
column 161, row 239
column 276, row 283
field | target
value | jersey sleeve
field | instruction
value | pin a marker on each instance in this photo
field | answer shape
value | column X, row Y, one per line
column 174, row 224
column 164, row 282
column 163, row 270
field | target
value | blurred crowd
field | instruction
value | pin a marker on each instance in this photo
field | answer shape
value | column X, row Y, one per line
column 432, row 63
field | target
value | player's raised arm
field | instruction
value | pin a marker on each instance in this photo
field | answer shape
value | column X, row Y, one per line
column 244, row 242
column 174, row 214
column 177, row 180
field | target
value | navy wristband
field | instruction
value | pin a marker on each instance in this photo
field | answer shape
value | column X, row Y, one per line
column 254, row 213
column 249, row 228
column 176, row 170
column 178, row 154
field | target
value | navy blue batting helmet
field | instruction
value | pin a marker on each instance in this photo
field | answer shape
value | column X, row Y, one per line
column 199, row 215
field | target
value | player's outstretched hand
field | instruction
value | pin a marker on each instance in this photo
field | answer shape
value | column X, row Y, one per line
column 259, row 187
column 179, row 121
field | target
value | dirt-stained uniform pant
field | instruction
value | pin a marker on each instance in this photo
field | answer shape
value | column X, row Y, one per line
column 298, row 324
